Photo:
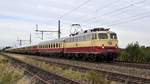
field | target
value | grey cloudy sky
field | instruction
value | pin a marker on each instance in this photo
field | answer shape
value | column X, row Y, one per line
column 130, row 19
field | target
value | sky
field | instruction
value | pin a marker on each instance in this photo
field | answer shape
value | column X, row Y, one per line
column 130, row 19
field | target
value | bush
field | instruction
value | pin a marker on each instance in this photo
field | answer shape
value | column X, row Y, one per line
column 135, row 53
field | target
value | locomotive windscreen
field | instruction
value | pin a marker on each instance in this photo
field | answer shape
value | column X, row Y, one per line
column 102, row 36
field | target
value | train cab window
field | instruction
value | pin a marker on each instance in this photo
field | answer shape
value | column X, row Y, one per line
column 113, row 36
column 102, row 36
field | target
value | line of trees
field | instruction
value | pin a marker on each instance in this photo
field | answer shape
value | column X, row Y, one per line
column 135, row 53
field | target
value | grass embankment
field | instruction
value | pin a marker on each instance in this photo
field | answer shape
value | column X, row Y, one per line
column 8, row 74
column 90, row 77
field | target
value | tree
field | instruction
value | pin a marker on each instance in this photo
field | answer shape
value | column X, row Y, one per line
column 133, row 53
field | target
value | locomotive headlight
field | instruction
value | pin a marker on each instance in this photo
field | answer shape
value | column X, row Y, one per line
column 103, row 46
column 116, row 46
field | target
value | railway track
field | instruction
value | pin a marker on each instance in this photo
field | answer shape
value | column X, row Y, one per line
column 118, row 72
column 130, row 64
column 41, row 76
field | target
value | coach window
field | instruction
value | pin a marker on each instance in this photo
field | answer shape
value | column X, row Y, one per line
column 54, row 45
column 51, row 45
column 57, row 45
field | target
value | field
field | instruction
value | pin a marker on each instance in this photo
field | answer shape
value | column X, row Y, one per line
column 9, row 74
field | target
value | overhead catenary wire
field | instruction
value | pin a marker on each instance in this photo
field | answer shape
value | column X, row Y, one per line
column 116, row 10
column 74, row 9
column 102, row 7
column 134, row 19
column 107, row 5
column 130, row 17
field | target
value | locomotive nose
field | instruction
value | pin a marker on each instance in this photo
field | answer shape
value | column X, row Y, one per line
column 109, row 42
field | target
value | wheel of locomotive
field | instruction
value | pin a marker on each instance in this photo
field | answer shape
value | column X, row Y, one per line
column 91, row 57
column 99, row 58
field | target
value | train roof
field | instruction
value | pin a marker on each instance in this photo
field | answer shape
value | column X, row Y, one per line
column 52, row 41
column 95, row 30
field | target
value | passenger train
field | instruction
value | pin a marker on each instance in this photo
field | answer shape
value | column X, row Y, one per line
column 97, row 44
